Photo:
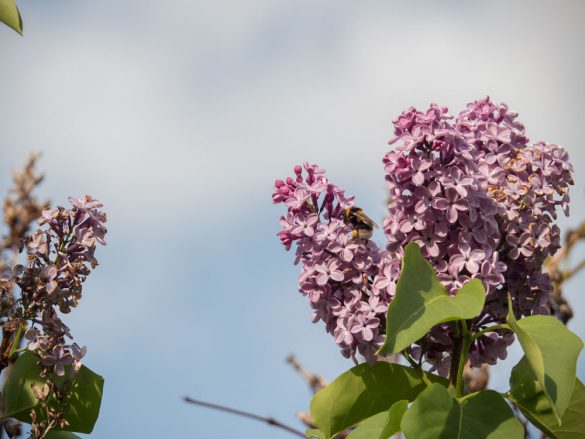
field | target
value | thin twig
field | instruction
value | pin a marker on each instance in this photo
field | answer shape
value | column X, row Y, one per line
column 574, row 271
column 316, row 382
column 267, row 420
column 559, row 275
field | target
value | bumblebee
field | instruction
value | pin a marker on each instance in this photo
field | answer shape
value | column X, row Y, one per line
column 363, row 226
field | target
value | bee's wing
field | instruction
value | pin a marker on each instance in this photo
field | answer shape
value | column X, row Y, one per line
column 366, row 219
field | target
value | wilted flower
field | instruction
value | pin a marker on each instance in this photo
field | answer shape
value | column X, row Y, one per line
column 61, row 256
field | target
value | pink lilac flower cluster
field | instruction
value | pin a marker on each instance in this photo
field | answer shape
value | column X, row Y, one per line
column 339, row 273
column 528, row 183
column 477, row 198
column 480, row 201
column 61, row 256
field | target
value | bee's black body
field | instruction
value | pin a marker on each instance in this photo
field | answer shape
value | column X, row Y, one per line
column 363, row 226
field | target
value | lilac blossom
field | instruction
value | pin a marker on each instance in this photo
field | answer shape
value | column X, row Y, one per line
column 496, row 194
column 61, row 256
column 471, row 191
column 364, row 326
column 337, row 270
column 58, row 358
column 467, row 259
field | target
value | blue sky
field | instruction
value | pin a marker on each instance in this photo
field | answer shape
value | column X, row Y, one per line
column 179, row 116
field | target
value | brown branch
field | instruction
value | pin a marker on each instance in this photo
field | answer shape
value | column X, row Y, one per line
column 267, row 420
column 316, row 382
column 559, row 275
column 575, row 270
column 21, row 207
column 571, row 238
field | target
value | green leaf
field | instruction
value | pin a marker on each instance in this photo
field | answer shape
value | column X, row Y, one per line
column 436, row 414
column 370, row 428
column 53, row 434
column 364, row 391
column 383, row 425
column 394, row 419
column 10, row 15
column 527, row 394
column 551, row 352
column 314, row 433
column 84, row 395
column 421, row 302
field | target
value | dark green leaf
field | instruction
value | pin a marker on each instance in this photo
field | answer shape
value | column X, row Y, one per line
column 383, row 425
column 84, row 395
column 435, row 414
column 551, row 352
column 421, row 302
column 61, row 435
column 527, row 393
column 364, row 391
column 10, row 16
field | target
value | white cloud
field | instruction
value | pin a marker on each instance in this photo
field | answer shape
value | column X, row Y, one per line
column 199, row 107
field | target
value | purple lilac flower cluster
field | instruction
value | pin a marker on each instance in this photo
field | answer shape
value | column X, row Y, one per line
column 339, row 273
column 61, row 256
column 478, row 199
column 528, row 183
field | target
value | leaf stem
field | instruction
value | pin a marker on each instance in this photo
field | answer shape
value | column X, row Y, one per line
column 413, row 363
column 490, row 329
column 467, row 342
column 417, row 367
column 16, row 342
column 455, row 355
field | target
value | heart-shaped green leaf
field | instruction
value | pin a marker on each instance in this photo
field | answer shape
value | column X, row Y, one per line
column 527, row 394
column 383, row 425
column 84, row 395
column 362, row 392
column 10, row 16
column 551, row 351
column 436, row 414
column 421, row 302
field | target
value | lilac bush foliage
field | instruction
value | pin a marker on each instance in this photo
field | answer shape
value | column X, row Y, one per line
column 471, row 191
column 45, row 257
